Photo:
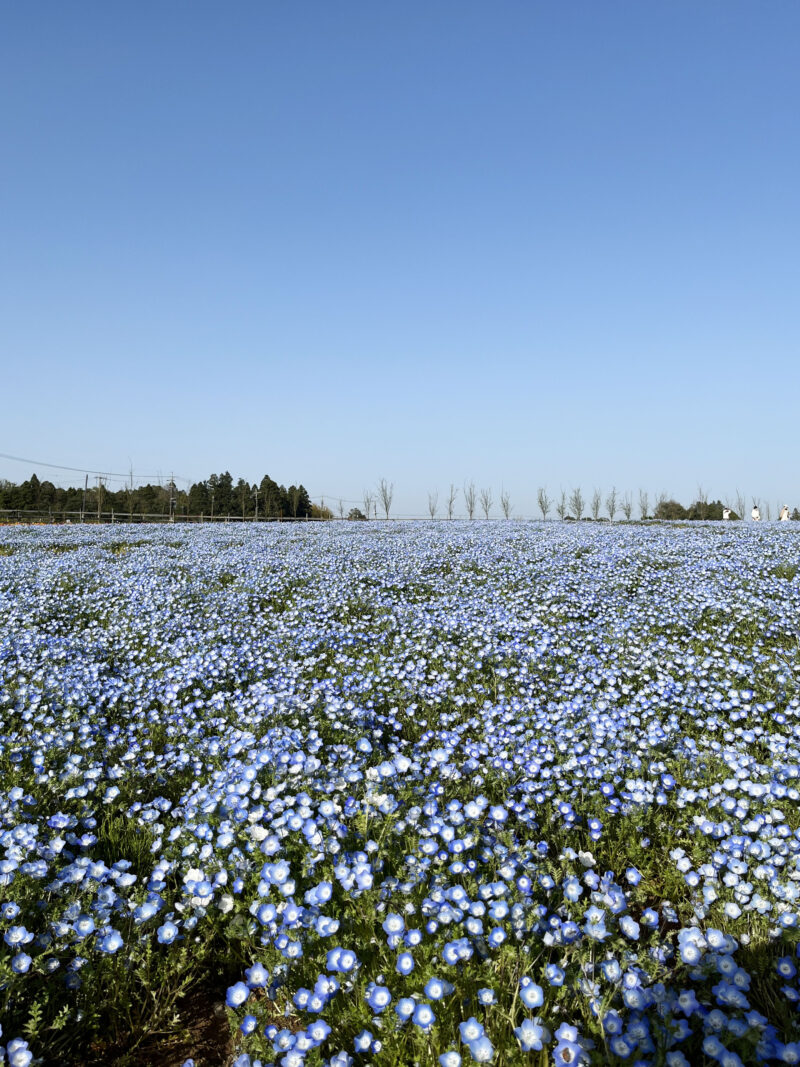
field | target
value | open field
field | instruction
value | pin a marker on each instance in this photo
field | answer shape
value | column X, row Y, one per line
column 514, row 792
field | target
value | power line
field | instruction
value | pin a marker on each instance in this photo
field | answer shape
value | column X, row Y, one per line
column 83, row 470
column 124, row 477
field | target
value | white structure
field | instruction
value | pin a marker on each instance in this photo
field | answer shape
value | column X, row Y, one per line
column 784, row 515
column 755, row 514
column 726, row 513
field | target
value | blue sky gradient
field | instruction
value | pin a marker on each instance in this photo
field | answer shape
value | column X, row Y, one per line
column 522, row 244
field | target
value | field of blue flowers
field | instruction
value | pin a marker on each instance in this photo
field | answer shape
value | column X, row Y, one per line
column 451, row 793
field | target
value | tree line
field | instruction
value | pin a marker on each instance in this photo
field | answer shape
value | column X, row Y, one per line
column 220, row 497
column 572, row 506
column 216, row 497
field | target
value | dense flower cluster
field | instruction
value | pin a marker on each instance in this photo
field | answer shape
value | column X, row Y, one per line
column 453, row 793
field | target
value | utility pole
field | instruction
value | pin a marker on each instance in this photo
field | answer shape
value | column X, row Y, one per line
column 100, row 488
column 255, row 494
column 172, row 500
column 212, row 504
column 85, row 487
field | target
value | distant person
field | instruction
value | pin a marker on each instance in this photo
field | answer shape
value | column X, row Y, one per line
column 726, row 513
column 784, row 515
column 755, row 514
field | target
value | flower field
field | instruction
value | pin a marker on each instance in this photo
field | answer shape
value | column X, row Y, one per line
column 426, row 793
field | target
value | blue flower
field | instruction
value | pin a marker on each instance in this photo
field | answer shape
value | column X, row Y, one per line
column 470, row 1030
column 405, row 963
column 530, row 1035
column 423, row 1016
column 167, row 933
column 237, row 994
column 110, row 942
column 481, row 1050
column 378, row 997
column 405, row 1008
column 531, row 994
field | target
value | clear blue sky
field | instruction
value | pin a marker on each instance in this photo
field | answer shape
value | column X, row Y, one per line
column 520, row 243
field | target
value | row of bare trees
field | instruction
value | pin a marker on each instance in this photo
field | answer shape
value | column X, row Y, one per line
column 571, row 504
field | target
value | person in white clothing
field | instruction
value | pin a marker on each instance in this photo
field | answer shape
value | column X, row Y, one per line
column 726, row 513
column 755, row 514
column 784, row 515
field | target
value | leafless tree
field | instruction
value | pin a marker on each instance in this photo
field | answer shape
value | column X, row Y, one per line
column 576, row 503
column 505, row 503
column 611, row 503
column 451, row 500
column 702, row 502
column 385, row 494
column 544, row 502
column 661, row 501
column 740, row 504
column 768, row 511
column 368, row 500
column 644, row 503
column 486, row 502
column 597, row 500
column 341, row 509
column 433, row 503
column 627, row 506
column 469, row 499
column 561, row 505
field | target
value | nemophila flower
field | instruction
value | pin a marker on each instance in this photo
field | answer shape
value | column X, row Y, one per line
column 378, row 997
column 318, row 1031
column 567, row 1050
column 236, row 995
column 436, row 988
column 405, row 1007
column 481, row 1050
column 17, row 935
column 531, row 1035
column 19, row 1055
column 341, row 960
column 629, row 927
column 451, row 1058
column 248, row 1024
column 485, row 996
column 394, row 924
column 363, row 1041
column 531, row 994
column 572, row 888
column 405, row 963
column 257, row 976
column 167, row 933
column 423, row 1016
column 110, row 942
column 470, row 1030
column 554, row 974
column 21, row 963
column 496, row 937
